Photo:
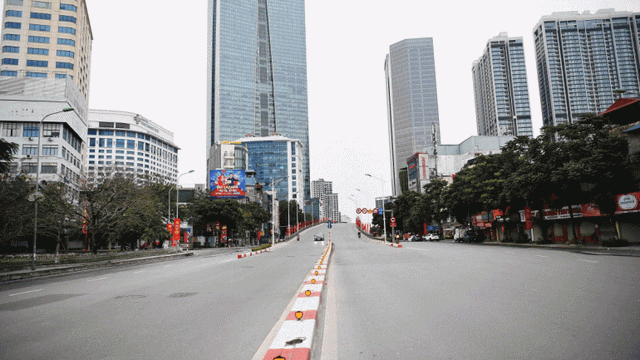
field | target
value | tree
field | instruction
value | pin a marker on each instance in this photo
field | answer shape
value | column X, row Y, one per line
column 16, row 212
column 56, row 213
column 204, row 212
column 253, row 216
column 7, row 149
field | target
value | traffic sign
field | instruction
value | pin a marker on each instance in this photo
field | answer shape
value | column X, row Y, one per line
column 393, row 219
column 358, row 211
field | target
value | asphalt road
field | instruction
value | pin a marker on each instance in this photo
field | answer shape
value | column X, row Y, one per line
column 434, row 300
column 202, row 307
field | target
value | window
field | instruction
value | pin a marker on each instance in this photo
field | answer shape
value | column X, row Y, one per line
column 92, row 141
column 11, row 129
column 43, row 16
column 8, row 61
column 109, row 143
column 38, row 27
column 63, row 41
column 29, row 150
column 67, row 18
column 64, row 65
column 39, row 39
column 121, row 133
column 65, row 53
column 49, row 168
column 66, row 30
column 106, row 132
column 12, row 25
column 120, row 143
column 13, row 13
column 37, row 63
column 11, row 49
column 50, row 150
column 50, row 130
column 131, row 144
column 92, row 132
column 8, row 73
column 140, row 145
column 12, row 37
column 37, row 51
column 29, row 168
column 35, row 75
column 41, row 4
column 61, row 76
column 68, row 7
column 101, row 142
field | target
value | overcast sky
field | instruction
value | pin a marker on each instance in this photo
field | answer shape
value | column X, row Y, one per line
column 151, row 59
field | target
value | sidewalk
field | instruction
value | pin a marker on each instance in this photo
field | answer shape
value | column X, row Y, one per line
column 633, row 250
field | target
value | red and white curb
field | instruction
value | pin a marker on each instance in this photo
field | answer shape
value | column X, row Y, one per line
column 240, row 256
column 385, row 243
column 295, row 337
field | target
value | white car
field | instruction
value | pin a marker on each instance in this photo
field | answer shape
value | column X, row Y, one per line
column 318, row 237
column 432, row 237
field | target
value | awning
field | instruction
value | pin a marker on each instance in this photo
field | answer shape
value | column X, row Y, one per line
column 634, row 128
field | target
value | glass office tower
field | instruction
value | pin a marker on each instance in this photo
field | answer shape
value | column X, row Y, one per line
column 257, row 72
column 412, row 102
column 582, row 59
column 500, row 89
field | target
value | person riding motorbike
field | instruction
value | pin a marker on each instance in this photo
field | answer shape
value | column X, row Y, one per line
column 358, row 234
column 298, row 237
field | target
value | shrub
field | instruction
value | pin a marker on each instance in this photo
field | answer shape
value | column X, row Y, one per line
column 614, row 242
column 261, row 247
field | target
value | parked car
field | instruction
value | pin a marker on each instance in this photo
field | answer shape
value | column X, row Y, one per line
column 318, row 237
column 432, row 237
column 414, row 238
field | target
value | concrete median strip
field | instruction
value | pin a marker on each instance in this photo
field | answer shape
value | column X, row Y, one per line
column 294, row 337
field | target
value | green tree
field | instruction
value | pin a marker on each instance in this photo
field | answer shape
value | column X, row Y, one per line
column 16, row 212
column 56, row 215
column 205, row 212
column 7, row 149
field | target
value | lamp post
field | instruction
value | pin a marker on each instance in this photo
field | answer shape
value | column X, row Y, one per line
column 37, row 193
column 273, row 208
column 384, row 214
column 178, row 190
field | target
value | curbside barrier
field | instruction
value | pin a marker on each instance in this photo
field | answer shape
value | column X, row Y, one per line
column 295, row 337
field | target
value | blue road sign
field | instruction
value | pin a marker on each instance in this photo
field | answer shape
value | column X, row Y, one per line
column 380, row 211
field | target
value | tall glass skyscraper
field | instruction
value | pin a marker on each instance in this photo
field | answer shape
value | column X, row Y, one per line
column 500, row 89
column 582, row 59
column 257, row 72
column 412, row 102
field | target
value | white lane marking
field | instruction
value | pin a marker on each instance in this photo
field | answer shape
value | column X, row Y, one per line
column 589, row 261
column 26, row 292
column 138, row 272
column 167, row 266
column 542, row 256
column 226, row 261
column 98, row 279
column 418, row 249
column 510, row 252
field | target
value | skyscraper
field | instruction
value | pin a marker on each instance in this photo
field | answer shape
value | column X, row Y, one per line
column 500, row 89
column 47, row 39
column 412, row 102
column 257, row 72
column 582, row 59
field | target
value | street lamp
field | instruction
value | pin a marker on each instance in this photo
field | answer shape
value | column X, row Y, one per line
column 384, row 214
column 178, row 190
column 37, row 193
column 273, row 208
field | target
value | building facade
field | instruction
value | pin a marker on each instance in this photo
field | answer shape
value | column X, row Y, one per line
column 257, row 73
column 120, row 141
column 58, row 141
column 582, row 59
column 423, row 167
column 277, row 157
column 328, row 200
column 47, row 39
column 500, row 89
column 227, row 155
column 412, row 102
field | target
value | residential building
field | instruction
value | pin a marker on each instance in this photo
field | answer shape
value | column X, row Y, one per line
column 447, row 160
column 412, row 102
column 277, row 157
column 582, row 59
column 128, row 142
column 500, row 89
column 227, row 155
column 329, row 208
column 25, row 108
column 47, row 39
column 257, row 74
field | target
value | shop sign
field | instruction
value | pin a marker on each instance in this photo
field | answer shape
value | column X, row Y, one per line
column 628, row 203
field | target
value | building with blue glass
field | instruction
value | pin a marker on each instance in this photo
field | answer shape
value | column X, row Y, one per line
column 500, row 89
column 257, row 74
column 276, row 157
column 412, row 102
column 582, row 59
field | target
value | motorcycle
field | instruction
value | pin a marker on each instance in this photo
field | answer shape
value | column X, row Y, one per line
column 359, row 235
column 298, row 237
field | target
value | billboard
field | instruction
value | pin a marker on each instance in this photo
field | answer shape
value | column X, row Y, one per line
column 227, row 184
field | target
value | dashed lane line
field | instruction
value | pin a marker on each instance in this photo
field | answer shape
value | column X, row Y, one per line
column 589, row 261
column 98, row 279
column 542, row 256
column 26, row 292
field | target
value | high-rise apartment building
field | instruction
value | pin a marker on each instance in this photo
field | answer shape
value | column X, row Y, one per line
column 582, row 59
column 257, row 73
column 323, row 190
column 412, row 102
column 500, row 89
column 47, row 39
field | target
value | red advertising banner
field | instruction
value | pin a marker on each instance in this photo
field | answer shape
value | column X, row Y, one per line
column 170, row 228
column 527, row 216
column 176, row 232
column 628, row 203
column 186, row 237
